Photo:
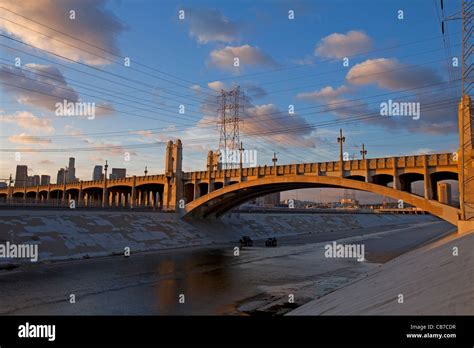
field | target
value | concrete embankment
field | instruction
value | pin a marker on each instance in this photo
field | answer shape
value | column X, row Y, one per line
column 76, row 234
column 437, row 279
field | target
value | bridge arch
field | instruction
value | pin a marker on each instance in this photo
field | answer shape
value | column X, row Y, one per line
column 356, row 177
column 382, row 179
column 220, row 201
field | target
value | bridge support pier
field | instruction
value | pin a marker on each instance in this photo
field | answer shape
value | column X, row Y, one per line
column 427, row 179
column 367, row 170
column 173, row 190
column 134, row 192
column 196, row 190
column 396, row 179
column 466, row 166
column 80, row 197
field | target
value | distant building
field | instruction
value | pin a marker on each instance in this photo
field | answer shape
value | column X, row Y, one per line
column 349, row 202
column 71, row 170
column 269, row 201
column 33, row 180
column 45, row 180
column 118, row 173
column 21, row 176
column 97, row 173
column 61, row 176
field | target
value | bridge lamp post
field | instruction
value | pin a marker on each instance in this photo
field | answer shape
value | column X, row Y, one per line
column 363, row 152
column 341, row 139
column 104, row 189
column 274, row 160
column 64, row 184
column 146, row 170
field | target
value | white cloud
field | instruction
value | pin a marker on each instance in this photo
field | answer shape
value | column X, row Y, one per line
column 216, row 85
column 247, row 55
column 42, row 87
column 389, row 73
column 24, row 138
column 208, row 25
column 343, row 45
column 325, row 93
column 93, row 24
column 26, row 120
column 276, row 126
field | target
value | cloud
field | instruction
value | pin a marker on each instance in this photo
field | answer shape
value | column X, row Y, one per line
column 70, row 130
column 208, row 25
column 343, row 45
column 326, row 93
column 389, row 73
column 93, row 23
column 332, row 100
column 104, row 109
column 196, row 88
column 254, row 91
column 250, row 90
column 26, row 120
column 216, row 85
column 96, row 159
column 434, row 119
column 42, row 88
column 270, row 123
column 24, row 138
column 306, row 60
column 145, row 133
column 46, row 162
column 247, row 55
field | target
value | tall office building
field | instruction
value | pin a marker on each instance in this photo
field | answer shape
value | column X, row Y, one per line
column 33, row 180
column 268, row 201
column 118, row 173
column 61, row 176
column 45, row 179
column 21, row 176
column 71, row 170
column 97, row 173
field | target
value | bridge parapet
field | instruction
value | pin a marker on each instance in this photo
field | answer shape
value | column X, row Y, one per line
column 351, row 167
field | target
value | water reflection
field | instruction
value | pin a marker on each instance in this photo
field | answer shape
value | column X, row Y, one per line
column 201, row 276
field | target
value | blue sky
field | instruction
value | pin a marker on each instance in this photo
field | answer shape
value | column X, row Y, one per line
column 283, row 62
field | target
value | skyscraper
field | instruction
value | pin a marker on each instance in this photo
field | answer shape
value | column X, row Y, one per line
column 45, row 179
column 97, row 173
column 118, row 173
column 60, row 177
column 33, row 180
column 71, row 170
column 21, row 176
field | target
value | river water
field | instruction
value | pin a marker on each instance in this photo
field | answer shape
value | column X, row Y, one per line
column 260, row 281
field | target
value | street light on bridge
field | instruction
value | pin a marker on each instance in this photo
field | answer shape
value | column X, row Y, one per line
column 363, row 152
column 105, row 193
column 341, row 139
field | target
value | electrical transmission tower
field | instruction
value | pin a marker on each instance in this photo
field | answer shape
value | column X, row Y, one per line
column 465, row 120
column 230, row 109
column 466, row 132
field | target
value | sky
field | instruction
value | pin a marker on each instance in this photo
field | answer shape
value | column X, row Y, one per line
column 334, row 62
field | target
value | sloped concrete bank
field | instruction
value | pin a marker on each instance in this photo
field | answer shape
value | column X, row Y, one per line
column 70, row 234
column 437, row 279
